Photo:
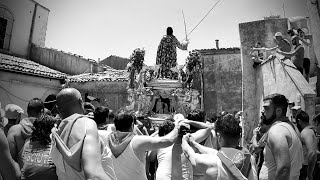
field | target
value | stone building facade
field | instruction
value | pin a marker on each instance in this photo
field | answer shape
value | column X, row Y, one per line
column 222, row 80
column 109, row 86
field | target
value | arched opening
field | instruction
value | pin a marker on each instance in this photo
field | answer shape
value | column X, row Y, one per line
column 6, row 26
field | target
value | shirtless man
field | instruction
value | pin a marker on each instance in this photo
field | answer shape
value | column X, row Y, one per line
column 297, row 54
column 9, row 169
column 310, row 142
column 76, row 149
column 227, row 163
column 208, row 141
column 18, row 133
column 172, row 163
column 129, row 150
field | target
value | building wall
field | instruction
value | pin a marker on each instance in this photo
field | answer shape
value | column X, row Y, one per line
column 222, row 80
column 275, row 77
column 314, row 15
column 23, row 12
column 40, row 26
column 64, row 62
column 18, row 88
column 111, row 94
column 115, row 62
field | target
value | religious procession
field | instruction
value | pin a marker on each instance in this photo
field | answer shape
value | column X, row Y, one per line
column 248, row 113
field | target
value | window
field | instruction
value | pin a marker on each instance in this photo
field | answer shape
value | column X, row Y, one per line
column 6, row 24
column 3, row 26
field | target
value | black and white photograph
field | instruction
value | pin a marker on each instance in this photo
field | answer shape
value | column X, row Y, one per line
column 159, row 90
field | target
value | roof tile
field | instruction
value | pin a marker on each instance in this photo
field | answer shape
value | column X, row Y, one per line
column 12, row 63
column 110, row 75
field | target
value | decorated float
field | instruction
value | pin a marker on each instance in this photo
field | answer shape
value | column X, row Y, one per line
column 156, row 98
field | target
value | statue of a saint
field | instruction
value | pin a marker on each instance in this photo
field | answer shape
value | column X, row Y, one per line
column 167, row 54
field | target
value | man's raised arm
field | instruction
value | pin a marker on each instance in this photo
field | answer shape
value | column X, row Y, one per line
column 91, row 154
column 289, row 54
column 202, row 149
column 201, row 161
column 148, row 143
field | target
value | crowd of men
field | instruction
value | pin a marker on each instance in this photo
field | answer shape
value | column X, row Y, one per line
column 89, row 142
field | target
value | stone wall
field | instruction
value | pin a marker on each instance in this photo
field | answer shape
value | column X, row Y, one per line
column 111, row 94
column 314, row 14
column 222, row 80
column 64, row 62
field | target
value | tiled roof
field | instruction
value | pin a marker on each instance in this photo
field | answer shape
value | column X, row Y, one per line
column 15, row 64
column 221, row 49
column 111, row 75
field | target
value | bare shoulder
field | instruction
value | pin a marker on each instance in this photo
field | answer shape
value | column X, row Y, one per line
column 90, row 123
column 15, row 130
column 277, row 132
column 307, row 132
column 83, row 126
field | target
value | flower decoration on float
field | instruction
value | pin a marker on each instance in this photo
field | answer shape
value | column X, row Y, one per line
column 149, row 74
column 193, row 62
column 136, row 59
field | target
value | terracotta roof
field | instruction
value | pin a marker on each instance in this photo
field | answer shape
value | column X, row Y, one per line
column 220, row 49
column 111, row 75
column 15, row 64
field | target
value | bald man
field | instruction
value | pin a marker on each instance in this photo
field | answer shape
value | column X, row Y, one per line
column 76, row 148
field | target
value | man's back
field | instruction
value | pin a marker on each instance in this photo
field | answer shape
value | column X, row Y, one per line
column 172, row 164
column 268, row 169
column 297, row 59
column 76, row 150
column 18, row 134
column 210, row 142
column 128, row 165
column 284, row 45
column 71, row 133
column 308, row 134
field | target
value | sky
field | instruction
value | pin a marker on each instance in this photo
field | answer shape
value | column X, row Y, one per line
column 99, row 28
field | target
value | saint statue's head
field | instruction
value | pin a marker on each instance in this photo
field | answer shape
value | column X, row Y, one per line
column 169, row 31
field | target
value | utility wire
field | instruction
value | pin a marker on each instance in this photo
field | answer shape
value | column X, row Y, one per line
column 13, row 95
column 204, row 17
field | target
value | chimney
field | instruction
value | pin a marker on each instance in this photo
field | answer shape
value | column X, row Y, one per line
column 217, row 43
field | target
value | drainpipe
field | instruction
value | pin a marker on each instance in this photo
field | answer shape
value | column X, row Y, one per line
column 32, row 29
